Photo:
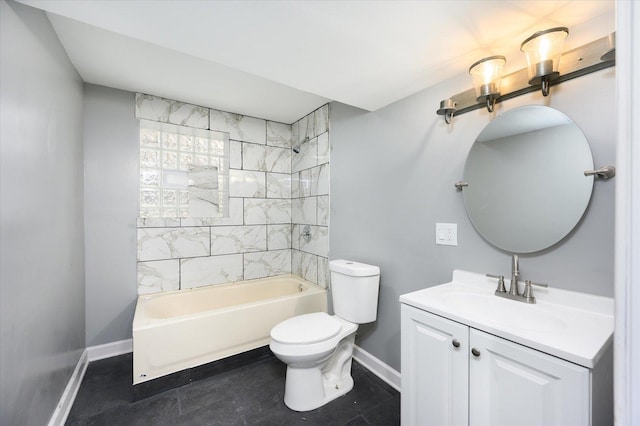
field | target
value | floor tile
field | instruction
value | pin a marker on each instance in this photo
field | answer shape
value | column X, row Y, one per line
column 249, row 395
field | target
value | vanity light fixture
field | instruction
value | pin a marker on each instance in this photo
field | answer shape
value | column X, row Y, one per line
column 543, row 50
column 487, row 73
column 582, row 60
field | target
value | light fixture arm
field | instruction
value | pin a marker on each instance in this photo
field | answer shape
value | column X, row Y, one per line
column 544, row 86
column 491, row 103
column 447, row 108
column 448, row 116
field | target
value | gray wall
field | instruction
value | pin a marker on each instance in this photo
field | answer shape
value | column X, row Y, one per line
column 110, row 210
column 42, row 261
column 392, row 176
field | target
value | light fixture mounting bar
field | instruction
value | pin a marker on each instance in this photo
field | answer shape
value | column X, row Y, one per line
column 575, row 63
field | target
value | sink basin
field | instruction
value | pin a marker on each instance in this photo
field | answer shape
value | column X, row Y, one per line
column 570, row 325
column 497, row 311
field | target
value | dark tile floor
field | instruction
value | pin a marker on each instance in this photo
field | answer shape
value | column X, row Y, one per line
column 250, row 395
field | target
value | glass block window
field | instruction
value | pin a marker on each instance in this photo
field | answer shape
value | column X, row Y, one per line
column 184, row 172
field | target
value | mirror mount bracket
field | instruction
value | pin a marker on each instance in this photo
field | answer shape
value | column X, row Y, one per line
column 461, row 184
column 604, row 172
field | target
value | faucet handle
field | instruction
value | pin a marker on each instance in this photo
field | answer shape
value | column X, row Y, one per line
column 528, row 292
column 538, row 284
column 500, row 278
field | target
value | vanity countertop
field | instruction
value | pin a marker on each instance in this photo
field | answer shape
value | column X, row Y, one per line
column 573, row 326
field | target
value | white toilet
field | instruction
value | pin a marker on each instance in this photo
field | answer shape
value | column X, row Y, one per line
column 317, row 347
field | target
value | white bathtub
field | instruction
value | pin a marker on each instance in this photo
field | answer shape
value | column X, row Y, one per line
column 177, row 330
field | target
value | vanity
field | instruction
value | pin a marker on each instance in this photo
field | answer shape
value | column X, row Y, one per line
column 480, row 350
column 471, row 358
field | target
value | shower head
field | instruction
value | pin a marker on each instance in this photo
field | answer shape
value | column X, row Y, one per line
column 296, row 147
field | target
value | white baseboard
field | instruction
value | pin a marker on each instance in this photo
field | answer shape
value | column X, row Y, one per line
column 63, row 408
column 377, row 367
column 92, row 353
column 110, row 349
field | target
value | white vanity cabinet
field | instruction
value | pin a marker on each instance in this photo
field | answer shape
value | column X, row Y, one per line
column 454, row 374
column 511, row 384
column 435, row 373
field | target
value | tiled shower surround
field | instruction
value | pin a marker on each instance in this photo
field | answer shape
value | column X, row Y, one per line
column 273, row 193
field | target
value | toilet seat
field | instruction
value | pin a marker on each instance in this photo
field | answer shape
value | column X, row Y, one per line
column 306, row 329
column 317, row 349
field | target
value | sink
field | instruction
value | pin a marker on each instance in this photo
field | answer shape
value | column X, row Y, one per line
column 497, row 311
column 570, row 325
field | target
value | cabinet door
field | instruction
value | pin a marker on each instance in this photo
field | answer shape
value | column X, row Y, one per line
column 435, row 370
column 515, row 385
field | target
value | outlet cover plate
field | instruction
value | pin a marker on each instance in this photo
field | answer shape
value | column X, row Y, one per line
column 447, row 234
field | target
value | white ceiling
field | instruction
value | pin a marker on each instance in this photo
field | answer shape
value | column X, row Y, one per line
column 281, row 59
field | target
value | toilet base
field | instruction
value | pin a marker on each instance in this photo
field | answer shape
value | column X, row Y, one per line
column 310, row 388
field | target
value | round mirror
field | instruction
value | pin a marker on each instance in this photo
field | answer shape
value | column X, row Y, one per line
column 526, row 184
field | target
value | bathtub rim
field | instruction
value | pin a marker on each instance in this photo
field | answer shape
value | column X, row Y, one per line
column 137, row 323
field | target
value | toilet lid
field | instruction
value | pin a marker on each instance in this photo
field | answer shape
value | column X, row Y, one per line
column 305, row 329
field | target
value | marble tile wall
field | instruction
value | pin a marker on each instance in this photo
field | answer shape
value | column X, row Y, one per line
column 310, row 196
column 273, row 191
column 255, row 240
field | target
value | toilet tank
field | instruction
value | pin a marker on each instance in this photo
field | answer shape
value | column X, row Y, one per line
column 354, row 290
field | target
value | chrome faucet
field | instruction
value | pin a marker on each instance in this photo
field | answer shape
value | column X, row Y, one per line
column 515, row 275
column 513, row 293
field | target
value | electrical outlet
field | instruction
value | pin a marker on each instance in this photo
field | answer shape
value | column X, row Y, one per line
column 447, row 234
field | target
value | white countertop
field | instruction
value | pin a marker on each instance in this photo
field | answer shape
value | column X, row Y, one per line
column 573, row 326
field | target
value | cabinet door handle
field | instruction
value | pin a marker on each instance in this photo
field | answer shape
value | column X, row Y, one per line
column 455, row 343
column 475, row 352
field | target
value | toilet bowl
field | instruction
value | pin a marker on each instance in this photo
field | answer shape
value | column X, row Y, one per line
column 318, row 347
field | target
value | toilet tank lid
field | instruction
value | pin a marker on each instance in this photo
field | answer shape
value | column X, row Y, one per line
column 354, row 269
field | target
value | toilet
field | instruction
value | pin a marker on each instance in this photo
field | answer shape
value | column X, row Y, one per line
column 318, row 347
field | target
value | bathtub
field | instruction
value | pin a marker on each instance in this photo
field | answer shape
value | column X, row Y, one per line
column 174, row 331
